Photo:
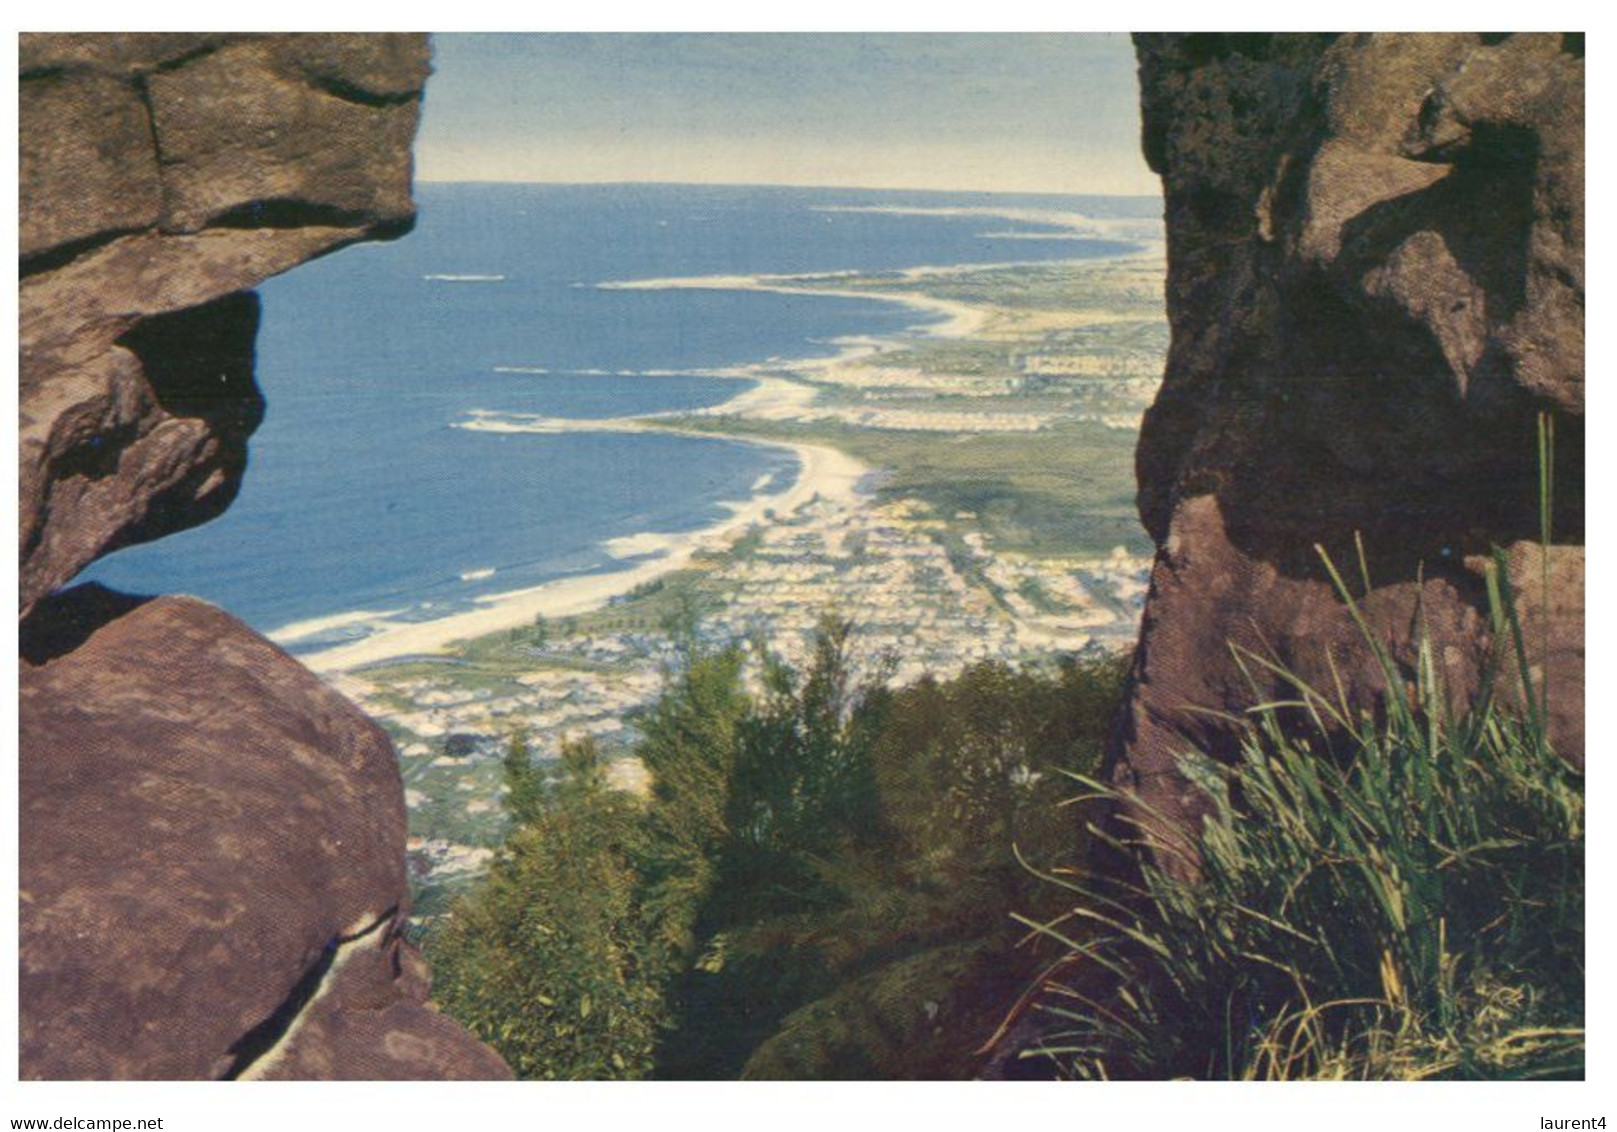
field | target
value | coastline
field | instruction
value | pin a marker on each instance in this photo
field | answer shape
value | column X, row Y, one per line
column 823, row 473
column 959, row 320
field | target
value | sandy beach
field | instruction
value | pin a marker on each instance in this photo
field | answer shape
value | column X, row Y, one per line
column 824, row 473
column 959, row 320
column 316, row 626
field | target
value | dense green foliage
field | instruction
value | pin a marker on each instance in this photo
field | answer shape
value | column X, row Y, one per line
column 858, row 918
column 689, row 747
column 909, row 958
column 820, row 885
column 831, row 879
column 548, row 959
column 1392, row 898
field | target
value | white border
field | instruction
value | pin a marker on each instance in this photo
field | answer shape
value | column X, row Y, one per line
column 808, row 1106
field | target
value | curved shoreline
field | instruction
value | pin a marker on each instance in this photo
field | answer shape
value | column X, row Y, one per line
column 959, row 320
column 823, row 473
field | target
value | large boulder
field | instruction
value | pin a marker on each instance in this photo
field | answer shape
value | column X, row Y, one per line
column 1375, row 289
column 211, row 836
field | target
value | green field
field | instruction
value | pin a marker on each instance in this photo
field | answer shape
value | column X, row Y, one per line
column 1131, row 286
column 1067, row 490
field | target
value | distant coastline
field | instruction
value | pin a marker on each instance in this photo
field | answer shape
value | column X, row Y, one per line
column 963, row 494
column 823, row 472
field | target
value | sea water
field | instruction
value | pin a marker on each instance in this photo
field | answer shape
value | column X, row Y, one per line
column 361, row 494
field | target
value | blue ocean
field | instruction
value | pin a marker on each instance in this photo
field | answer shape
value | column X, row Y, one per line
column 361, row 495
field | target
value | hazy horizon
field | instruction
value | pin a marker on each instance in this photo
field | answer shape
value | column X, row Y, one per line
column 1008, row 113
column 420, row 180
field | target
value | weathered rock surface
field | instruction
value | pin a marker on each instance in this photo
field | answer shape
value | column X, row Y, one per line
column 160, row 175
column 212, row 842
column 204, row 822
column 1375, row 289
column 370, row 1024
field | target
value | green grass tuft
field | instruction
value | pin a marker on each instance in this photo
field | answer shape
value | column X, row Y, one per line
column 1398, row 897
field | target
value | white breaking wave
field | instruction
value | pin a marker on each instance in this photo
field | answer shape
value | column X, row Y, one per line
column 465, row 278
column 317, row 626
column 732, row 371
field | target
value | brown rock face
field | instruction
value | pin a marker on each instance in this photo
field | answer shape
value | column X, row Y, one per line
column 161, row 177
column 212, row 842
column 1375, row 289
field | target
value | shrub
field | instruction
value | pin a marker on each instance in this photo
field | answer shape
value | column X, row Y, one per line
column 820, row 884
column 860, row 926
column 460, row 745
column 548, row 959
column 689, row 744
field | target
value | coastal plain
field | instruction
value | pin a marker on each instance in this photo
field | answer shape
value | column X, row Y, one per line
column 964, row 493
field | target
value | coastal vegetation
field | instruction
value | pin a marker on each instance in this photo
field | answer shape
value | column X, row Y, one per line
column 820, row 883
column 831, row 878
column 1066, row 489
column 1120, row 288
column 547, row 957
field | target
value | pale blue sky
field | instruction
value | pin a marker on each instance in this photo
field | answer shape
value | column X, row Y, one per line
column 1011, row 112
